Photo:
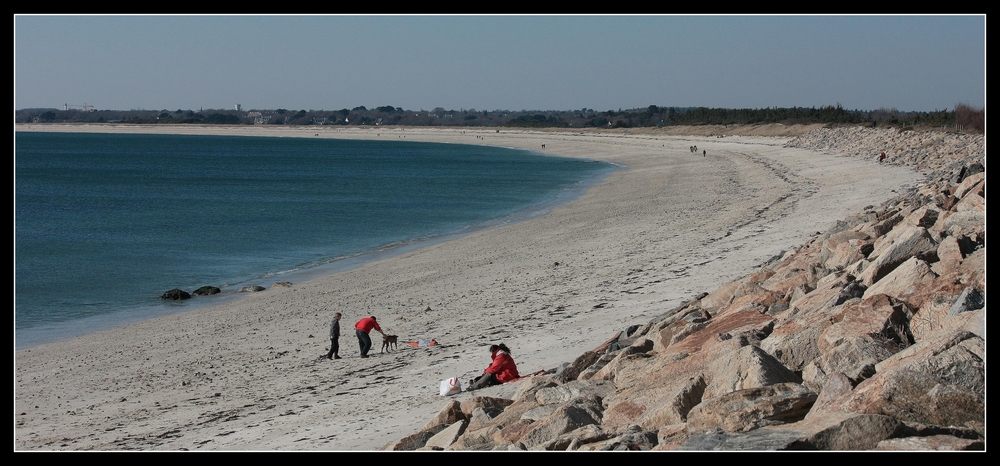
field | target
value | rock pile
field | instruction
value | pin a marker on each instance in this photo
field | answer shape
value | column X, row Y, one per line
column 933, row 151
column 869, row 337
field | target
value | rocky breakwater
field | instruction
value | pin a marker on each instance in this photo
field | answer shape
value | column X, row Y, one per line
column 936, row 153
column 871, row 336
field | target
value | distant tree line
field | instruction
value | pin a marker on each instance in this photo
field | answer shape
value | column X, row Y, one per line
column 537, row 121
column 963, row 117
column 694, row 116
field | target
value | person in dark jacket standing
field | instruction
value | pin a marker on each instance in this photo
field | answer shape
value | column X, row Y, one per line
column 361, row 329
column 334, row 338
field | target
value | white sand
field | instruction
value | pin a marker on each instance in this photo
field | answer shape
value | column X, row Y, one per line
column 248, row 375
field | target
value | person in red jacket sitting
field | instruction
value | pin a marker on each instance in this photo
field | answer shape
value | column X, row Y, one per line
column 502, row 370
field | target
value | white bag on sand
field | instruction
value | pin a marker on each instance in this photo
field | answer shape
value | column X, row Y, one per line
column 451, row 386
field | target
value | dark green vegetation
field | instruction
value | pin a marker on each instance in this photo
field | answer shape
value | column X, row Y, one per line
column 963, row 117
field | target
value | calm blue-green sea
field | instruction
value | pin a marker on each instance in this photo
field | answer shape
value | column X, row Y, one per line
column 105, row 223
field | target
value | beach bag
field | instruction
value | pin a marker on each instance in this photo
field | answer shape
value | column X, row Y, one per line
column 451, row 387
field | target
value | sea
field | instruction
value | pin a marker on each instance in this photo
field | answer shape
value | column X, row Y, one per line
column 106, row 223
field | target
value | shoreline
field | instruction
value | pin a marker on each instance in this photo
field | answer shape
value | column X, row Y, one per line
column 246, row 375
column 53, row 332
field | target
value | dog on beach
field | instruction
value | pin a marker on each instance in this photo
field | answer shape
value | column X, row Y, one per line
column 388, row 340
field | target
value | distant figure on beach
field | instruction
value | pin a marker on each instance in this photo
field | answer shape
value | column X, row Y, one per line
column 361, row 329
column 502, row 370
column 881, row 158
column 704, row 153
column 334, row 338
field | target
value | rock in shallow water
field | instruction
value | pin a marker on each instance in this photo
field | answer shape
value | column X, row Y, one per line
column 175, row 294
column 206, row 290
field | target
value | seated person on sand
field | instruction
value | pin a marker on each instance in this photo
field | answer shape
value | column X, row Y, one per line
column 502, row 370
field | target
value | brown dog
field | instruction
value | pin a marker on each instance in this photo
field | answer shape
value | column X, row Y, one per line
column 388, row 340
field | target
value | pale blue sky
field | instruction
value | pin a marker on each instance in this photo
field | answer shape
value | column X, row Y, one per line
column 918, row 63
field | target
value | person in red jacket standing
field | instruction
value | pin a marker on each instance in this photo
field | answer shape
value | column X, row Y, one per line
column 502, row 370
column 361, row 329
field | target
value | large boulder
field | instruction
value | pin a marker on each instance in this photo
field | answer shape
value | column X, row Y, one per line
column 931, row 443
column 638, row 350
column 577, row 413
column 844, row 431
column 817, row 299
column 970, row 223
column 564, row 393
column 175, row 294
column 577, row 439
column 631, row 438
column 936, row 300
column 794, row 341
column 578, row 366
column 661, row 388
column 490, row 405
column 743, row 368
column 416, row 440
column 480, row 439
column 897, row 248
column 797, row 270
column 748, row 409
column 856, row 432
column 513, row 414
column 865, row 333
column 206, row 291
column 904, row 281
column 449, row 414
column 949, row 254
column 973, row 200
column 940, row 381
column 447, row 436
column 657, row 406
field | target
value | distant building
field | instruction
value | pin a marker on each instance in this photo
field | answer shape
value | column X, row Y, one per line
column 258, row 118
column 239, row 108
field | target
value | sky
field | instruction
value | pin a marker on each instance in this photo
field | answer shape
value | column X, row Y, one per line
column 501, row 62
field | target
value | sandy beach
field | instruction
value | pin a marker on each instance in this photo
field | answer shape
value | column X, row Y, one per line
column 251, row 375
